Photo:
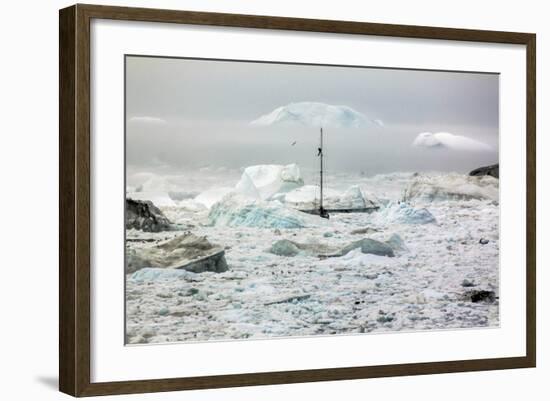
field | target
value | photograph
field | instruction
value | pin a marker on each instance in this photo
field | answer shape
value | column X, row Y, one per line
column 269, row 199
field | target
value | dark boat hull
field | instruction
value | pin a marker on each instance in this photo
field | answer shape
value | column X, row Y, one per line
column 334, row 211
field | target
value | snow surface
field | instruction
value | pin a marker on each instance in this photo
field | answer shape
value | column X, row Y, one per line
column 315, row 114
column 265, row 295
column 450, row 141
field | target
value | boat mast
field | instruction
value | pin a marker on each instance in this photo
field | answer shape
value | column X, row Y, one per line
column 322, row 211
column 321, row 171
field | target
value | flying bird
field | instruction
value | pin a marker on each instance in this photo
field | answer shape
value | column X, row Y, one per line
column 293, row 143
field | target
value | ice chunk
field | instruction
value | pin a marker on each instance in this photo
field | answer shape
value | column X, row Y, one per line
column 352, row 198
column 187, row 252
column 246, row 187
column 270, row 179
column 396, row 242
column 370, row 246
column 156, row 273
column 211, row 196
column 403, row 213
column 452, row 187
column 307, row 197
column 284, row 247
column 237, row 210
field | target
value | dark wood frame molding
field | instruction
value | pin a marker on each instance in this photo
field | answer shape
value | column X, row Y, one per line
column 74, row 199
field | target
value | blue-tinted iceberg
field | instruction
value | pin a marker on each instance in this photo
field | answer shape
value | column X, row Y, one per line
column 238, row 210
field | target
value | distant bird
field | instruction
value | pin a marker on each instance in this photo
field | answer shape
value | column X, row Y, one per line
column 293, row 143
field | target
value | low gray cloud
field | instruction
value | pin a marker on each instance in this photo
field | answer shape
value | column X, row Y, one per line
column 206, row 107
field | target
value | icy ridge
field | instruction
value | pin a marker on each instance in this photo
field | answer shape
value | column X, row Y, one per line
column 315, row 114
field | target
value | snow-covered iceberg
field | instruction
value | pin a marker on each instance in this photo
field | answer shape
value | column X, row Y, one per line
column 238, row 210
column 267, row 180
column 446, row 187
column 450, row 141
column 315, row 114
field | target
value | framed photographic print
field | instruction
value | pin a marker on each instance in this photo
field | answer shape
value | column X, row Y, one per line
column 250, row 200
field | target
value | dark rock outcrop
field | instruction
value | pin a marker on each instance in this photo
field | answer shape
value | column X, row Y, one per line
column 145, row 216
column 480, row 296
column 487, row 170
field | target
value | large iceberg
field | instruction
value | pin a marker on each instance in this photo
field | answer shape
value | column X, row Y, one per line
column 269, row 180
column 446, row 187
column 315, row 114
column 238, row 210
column 211, row 196
column 307, row 197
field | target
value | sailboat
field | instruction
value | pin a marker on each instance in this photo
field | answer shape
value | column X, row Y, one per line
column 321, row 211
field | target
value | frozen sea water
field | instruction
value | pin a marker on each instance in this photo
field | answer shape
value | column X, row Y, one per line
column 267, row 295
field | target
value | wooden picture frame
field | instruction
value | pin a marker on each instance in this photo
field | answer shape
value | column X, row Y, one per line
column 75, row 207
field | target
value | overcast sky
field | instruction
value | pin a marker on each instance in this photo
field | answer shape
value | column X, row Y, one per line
column 183, row 114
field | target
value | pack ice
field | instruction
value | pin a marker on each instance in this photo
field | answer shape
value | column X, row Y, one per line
column 451, row 186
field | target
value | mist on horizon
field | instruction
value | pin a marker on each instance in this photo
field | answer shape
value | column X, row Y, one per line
column 183, row 115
